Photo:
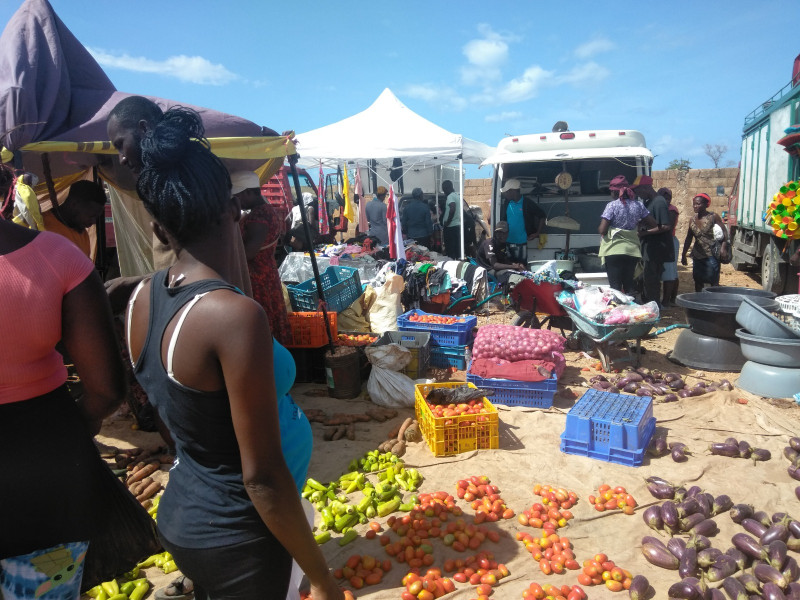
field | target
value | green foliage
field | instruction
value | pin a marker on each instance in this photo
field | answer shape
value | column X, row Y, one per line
column 679, row 164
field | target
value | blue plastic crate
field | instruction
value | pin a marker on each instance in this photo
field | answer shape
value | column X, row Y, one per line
column 611, row 427
column 450, row 356
column 340, row 285
column 531, row 394
column 457, row 334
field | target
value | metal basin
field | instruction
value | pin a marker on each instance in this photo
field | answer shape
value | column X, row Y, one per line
column 739, row 291
column 714, row 314
column 769, row 381
column 757, row 320
column 775, row 352
column 707, row 352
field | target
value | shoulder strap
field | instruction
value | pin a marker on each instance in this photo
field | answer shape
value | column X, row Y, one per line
column 130, row 317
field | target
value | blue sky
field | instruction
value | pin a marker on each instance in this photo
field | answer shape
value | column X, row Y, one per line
column 684, row 73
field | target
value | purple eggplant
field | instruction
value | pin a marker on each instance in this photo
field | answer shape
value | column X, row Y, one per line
column 740, row 512
column 706, row 527
column 724, row 449
column 750, row 583
column 657, row 554
column 790, row 454
column 706, row 557
column 657, row 446
column 790, row 569
column 794, row 526
column 679, row 452
column 661, row 491
column 687, row 566
column 777, row 532
column 689, row 522
column 689, row 506
column 640, row 588
column 766, row 573
column 776, row 553
column 748, row 545
column 794, row 442
column 763, row 517
column 677, row 546
column 780, row 517
column 706, row 501
column 740, row 558
column 794, row 472
column 723, row 567
column 669, row 514
column 745, row 449
column 714, row 594
column 757, row 528
column 652, row 516
column 658, row 480
column 770, row 591
column 797, row 492
column 721, row 504
column 695, row 489
column 794, row 591
column 734, row 588
column 793, row 544
column 699, row 542
column 760, row 454
column 687, row 589
column 680, row 494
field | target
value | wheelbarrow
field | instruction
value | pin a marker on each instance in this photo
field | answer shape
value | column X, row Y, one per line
column 603, row 338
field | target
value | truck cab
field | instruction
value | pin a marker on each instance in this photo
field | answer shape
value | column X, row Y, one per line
column 279, row 190
column 567, row 174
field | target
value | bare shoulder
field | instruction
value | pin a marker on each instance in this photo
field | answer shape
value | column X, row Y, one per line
column 226, row 310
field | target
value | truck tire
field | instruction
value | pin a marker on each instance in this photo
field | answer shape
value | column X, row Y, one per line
column 773, row 269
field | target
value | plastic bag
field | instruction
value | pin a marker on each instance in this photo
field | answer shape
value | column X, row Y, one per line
column 386, row 385
column 386, row 308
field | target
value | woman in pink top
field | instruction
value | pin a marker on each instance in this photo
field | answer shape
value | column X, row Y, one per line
column 53, row 499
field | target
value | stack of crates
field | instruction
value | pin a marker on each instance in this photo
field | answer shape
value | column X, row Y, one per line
column 309, row 343
column 529, row 394
column 611, row 427
column 418, row 343
column 450, row 343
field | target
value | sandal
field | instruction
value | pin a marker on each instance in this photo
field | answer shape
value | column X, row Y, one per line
column 179, row 589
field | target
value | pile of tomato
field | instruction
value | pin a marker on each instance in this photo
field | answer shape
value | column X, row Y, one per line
column 473, row 407
column 609, row 498
column 554, row 554
column 548, row 519
column 600, row 569
column 547, row 592
column 347, row 339
column 435, row 319
column 426, row 587
column 558, row 497
column 363, row 570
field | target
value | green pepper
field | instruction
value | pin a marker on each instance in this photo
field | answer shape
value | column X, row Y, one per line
column 132, row 574
column 346, row 520
column 348, row 537
column 111, row 587
column 327, row 516
column 323, row 537
column 118, row 597
column 101, row 596
column 388, row 507
column 407, row 507
column 139, row 592
column 365, row 502
column 95, row 591
column 371, row 511
column 169, row 567
column 127, row 587
column 315, row 485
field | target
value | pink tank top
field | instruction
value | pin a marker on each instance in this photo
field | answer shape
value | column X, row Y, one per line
column 33, row 282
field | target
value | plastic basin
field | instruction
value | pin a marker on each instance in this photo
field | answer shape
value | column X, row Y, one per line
column 739, row 291
column 776, row 352
column 757, row 320
column 707, row 352
column 768, row 381
column 714, row 314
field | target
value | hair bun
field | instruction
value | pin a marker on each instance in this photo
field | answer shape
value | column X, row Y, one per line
column 172, row 137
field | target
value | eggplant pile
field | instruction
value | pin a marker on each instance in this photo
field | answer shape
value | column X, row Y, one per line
column 792, row 454
column 733, row 448
column 669, row 387
column 658, row 447
column 684, row 511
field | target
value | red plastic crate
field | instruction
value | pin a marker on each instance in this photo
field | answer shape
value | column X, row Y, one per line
column 308, row 329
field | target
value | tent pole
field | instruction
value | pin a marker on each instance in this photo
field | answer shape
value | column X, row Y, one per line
column 307, row 230
column 461, row 202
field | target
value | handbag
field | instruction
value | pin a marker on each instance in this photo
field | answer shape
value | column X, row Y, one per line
column 722, row 252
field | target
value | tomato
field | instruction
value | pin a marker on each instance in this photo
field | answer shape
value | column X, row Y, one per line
column 584, row 579
column 614, row 586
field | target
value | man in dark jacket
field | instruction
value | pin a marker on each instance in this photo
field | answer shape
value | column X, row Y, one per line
column 524, row 217
column 657, row 247
column 416, row 219
column 492, row 255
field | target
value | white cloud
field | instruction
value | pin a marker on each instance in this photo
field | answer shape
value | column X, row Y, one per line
column 190, row 69
column 580, row 75
column 526, row 86
column 511, row 115
column 594, row 47
column 485, row 57
column 436, row 94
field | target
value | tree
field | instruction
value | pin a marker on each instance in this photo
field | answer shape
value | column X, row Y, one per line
column 679, row 164
column 715, row 153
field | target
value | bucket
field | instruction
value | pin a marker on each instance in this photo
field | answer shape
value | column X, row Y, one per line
column 343, row 373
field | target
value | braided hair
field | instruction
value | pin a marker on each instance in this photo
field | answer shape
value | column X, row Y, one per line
column 129, row 111
column 182, row 183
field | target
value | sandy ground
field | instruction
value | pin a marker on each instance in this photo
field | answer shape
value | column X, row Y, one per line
column 529, row 453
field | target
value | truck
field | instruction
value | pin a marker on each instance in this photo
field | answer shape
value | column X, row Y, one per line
column 769, row 159
column 567, row 173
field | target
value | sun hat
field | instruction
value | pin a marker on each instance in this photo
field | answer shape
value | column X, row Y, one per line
column 511, row 184
column 618, row 182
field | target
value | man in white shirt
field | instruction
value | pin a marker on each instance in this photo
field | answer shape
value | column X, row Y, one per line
column 451, row 221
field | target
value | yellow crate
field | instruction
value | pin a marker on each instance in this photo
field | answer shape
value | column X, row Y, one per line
column 448, row 436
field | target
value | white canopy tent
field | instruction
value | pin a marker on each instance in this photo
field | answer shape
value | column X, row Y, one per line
column 386, row 130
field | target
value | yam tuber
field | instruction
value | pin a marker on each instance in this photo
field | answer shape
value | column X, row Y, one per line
column 328, row 435
column 145, row 471
column 403, row 427
column 413, row 433
column 351, row 431
column 136, row 487
column 148, row 492
column 399, row 449
column 376, row 414
column 339, row 433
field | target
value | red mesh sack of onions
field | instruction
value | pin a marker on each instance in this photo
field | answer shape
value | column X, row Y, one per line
column 513, row 343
